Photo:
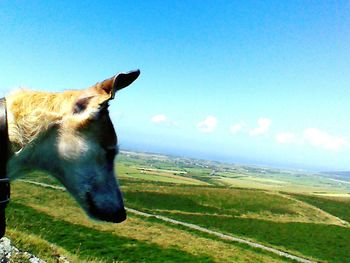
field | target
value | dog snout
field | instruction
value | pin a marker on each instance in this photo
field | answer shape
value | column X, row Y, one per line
column 115, row 214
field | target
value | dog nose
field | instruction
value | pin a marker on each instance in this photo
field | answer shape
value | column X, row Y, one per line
column 121, row 216
column 117, row 215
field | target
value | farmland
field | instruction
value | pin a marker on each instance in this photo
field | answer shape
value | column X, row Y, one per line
column 302, row 213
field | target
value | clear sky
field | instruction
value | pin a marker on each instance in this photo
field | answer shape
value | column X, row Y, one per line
column 260, row 82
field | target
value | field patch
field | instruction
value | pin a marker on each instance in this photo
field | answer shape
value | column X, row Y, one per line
column 279, row 185
column 270, row 218
column 223, row 202
column 157, row 175
column 320, row 241
column 337, row 206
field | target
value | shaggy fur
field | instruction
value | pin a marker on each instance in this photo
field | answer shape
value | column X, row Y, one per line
column 31, row 112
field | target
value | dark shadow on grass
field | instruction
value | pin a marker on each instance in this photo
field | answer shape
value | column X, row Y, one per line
column 155, row 200
column 87, row 242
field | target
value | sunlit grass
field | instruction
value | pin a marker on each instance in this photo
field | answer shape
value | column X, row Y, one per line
column 296, row 223
column 338, row 206
column 53, row 216
column 38, row 246
column 226, row 210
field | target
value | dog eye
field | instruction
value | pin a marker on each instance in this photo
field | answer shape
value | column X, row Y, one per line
column 80, row 106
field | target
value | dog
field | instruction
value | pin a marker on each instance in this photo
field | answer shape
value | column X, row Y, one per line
column 71, row 136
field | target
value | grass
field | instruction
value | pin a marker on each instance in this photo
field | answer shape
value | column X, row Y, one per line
column 221, row 201
column 290, row 221
column 326, row 242
column 209, row 200
column 233, row 175
column 162, row 178
column 224, row 210
column 337, row 206
column 156, row 175
column 38, row 246
column 54, row 217
column 311, row 185
column 221, row 209
column 87, row 242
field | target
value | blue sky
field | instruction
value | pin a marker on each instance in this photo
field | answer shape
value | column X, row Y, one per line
column 260, row 82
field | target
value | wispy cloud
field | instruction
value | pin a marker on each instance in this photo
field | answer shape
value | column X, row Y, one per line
column 316, row 138
column 286, row 138
column 208, row 124
column 235, row 128
column 324, row 140
column 159, row 118
column 263, row 127
column 163, row 120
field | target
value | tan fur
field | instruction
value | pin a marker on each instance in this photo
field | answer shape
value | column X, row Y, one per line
column 32, row 112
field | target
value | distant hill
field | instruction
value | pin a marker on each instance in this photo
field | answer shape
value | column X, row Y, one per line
column 338, row 173
column 344, row 175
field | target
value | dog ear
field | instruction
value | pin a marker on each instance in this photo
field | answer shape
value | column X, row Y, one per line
column 118, row 82
column 93, row 100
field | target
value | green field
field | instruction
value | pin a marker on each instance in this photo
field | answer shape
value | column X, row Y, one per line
column 230, row 175
column 48, row 222
column 337, row 206
column 262, row 216
column 52, row 217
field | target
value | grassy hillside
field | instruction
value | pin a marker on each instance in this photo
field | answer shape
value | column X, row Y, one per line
column 49, row 223
column 338, row 206
column 53, row 217
column 269, row 218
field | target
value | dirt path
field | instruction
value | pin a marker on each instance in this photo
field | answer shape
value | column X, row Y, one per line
column 195, row 227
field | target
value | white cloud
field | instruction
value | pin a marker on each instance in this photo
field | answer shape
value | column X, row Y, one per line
column 159, row 118
column 324, row 140
column 263, row 127
column 208, row 124
column 236, row 128
column 164, row 120
column 286, row 138
column 316, row 138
